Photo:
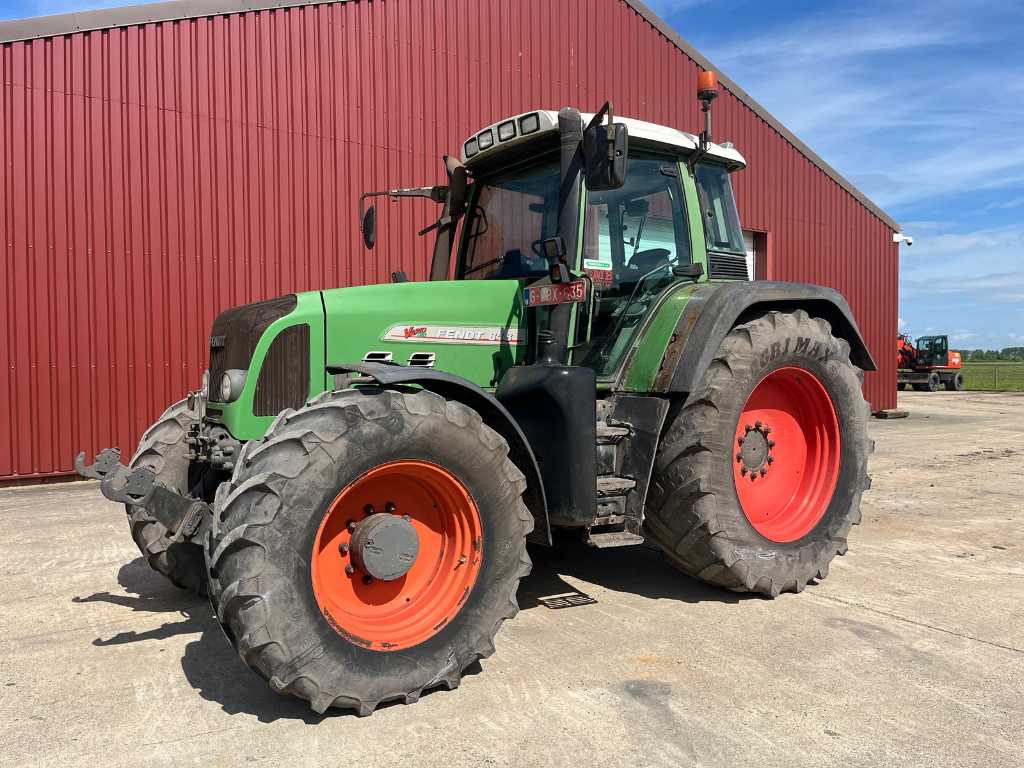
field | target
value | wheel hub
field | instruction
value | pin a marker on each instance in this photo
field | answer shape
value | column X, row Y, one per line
column 755, row 454
column 384, row 546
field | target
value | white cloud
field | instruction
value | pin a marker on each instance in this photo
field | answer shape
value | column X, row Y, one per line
column 872, row 98
column 1015, row 202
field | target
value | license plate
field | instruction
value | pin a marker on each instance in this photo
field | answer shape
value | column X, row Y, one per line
column 556, row 293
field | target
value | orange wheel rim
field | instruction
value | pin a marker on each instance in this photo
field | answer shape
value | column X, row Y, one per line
column 788, row 449
column 389, row 615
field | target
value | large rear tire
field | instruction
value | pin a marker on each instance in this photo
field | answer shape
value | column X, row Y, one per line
column 290, row 576
column 164, row 451
column 759, row 477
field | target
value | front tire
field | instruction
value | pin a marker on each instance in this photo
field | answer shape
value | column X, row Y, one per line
column 292, row 587
column 163, row 450
column 759, row 477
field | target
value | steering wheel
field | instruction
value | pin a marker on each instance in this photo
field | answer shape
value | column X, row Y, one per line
column 648, row 259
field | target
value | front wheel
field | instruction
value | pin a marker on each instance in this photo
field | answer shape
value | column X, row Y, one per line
column 164, row 451
column 369, row 547
column 759, row 477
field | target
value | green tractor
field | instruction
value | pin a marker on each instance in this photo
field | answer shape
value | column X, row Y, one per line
column 356, row 481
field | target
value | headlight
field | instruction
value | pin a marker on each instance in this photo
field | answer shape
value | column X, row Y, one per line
column 204, row 388
column 231, row 385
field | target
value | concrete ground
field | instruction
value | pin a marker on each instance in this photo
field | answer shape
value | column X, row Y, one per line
column 910, row 653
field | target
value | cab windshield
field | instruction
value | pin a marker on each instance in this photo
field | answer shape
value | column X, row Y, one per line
column 512, row 213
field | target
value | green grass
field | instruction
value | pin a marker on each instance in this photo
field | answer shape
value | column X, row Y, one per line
column 995, row 376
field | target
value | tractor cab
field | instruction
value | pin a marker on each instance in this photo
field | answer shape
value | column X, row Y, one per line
column 641, row 211
column 932, row 351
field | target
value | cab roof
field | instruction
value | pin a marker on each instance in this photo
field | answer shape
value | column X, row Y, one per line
column 523, row 128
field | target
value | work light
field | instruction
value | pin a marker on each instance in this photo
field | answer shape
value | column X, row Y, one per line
column 471, row 148
column 506, row 130
column 485, row 139
column 529, row 123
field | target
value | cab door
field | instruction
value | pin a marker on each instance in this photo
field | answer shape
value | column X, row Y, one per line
column 632, row 237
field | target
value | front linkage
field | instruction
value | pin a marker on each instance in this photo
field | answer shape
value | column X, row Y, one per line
column 185, row 518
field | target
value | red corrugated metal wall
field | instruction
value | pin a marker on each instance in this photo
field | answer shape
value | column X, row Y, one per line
column 154, row 175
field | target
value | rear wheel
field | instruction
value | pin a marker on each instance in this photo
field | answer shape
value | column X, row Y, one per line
column 369, row 547
column 164, row 451
column 759, row 477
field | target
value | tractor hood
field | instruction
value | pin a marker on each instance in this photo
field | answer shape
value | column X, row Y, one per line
column 472, row 328
column 275, row 352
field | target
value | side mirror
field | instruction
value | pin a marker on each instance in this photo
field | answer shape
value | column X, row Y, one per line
column 457, row 185
column 605, row 154
column 368, row 227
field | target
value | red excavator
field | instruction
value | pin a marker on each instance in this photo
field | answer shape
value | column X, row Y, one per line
column 928, row 364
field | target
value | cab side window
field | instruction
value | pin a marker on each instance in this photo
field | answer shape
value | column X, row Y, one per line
column 632, row 238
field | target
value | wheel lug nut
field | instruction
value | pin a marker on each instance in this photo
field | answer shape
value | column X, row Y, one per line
column 407, row 518
column 767, row 429
column 390, row 507
column 743, row 471
column 367, row 579
column 771, row 444
column 739, row 457
column 368, row 510
column 748, row 428
column 764, row 471
column 771, row 459
column 351, row 525
column 739, row 441
column 343, row 549
column 757, row 425
column 753, row 476
column 349, row 569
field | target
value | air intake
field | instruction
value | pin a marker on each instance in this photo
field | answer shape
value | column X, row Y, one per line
column 727, row 266
column 284, row 377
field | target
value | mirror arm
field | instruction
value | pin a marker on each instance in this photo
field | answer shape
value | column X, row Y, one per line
column 437, row 194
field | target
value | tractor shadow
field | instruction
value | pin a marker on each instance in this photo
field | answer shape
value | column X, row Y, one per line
column 638, row 570
column 214, row 670
column 209, row 662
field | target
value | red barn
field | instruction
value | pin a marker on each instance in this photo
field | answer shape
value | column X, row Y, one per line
column 162, row 162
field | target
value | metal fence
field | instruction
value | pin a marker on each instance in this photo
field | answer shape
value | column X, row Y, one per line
column 999, row 377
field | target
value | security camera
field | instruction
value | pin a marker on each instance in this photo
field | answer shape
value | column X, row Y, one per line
column 899, row 237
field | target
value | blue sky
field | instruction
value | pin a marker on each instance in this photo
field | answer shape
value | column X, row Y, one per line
column 920, row 104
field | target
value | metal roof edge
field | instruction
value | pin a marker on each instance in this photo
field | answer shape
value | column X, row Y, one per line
column 130, row 15
column 174, row 10
column 687, row 48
